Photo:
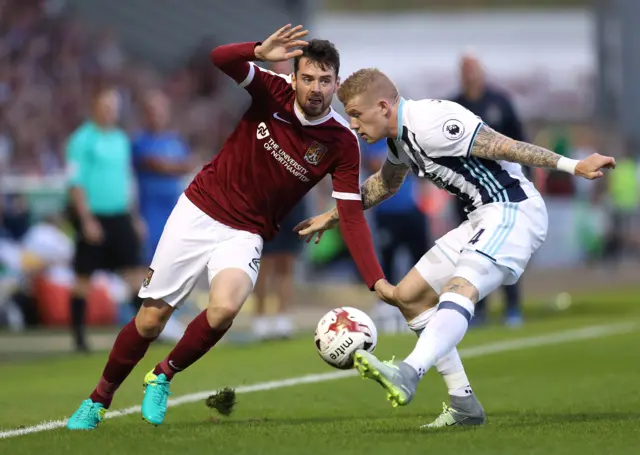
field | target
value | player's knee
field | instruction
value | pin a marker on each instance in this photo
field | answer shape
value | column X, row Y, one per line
column 229, row 290
column 152, row 317
column 462, row 286
column 222, row 313
column 224, row 305
column 476, row 276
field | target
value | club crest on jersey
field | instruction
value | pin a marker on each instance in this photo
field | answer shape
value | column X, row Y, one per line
column 147, row 280
column 262, row 131
column 315, row 153
column 453, row 129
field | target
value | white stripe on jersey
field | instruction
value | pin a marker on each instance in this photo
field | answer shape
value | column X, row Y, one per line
column 346, row 196
column 249, row 78
column 252, row 72
column 286, row 77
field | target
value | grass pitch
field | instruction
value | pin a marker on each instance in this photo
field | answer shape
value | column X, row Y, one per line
column 565, row 383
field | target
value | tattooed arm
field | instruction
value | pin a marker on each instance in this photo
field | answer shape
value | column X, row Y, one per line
column 380, row 186
column 377, row 188
column 494, row 146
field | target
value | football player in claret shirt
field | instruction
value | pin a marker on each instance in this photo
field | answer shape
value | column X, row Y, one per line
column 288, row 140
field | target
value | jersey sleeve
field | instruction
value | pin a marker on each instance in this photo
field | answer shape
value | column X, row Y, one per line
column 236, row 60
column 445, row 128
column 346, row 175
column 353, row 225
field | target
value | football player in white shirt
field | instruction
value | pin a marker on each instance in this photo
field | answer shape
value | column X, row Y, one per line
column 447, row 144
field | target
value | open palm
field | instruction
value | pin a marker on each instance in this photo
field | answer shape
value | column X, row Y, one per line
column 280, row 46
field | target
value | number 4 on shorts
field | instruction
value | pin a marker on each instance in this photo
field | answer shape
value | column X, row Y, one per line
column 476, row 237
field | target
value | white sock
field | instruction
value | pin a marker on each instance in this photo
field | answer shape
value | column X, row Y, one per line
column 450, row 365
column 452, row 371
column 446, row 329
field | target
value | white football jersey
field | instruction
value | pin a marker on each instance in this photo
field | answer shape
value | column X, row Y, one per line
column 435, row 138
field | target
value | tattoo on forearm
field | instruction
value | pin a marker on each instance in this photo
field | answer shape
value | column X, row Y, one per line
column 382, row 185
column 494, row 146
column 373, row 191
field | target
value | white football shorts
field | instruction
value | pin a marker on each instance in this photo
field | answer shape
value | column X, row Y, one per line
column 192, row 240
column 489, row 249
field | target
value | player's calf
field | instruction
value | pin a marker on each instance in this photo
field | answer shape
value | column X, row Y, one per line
column 129, row 348
column 415, row 290
column 446, row 329
column 414, row 296
column 475, row 276
column 198, row 339
column 229, row 290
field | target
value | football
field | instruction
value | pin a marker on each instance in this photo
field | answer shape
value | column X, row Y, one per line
column 341, row 332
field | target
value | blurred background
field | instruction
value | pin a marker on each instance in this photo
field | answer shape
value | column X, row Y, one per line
column 560, row 73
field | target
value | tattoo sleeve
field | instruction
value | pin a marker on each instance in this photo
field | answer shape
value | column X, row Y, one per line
column 381, row 185
column 494, row 146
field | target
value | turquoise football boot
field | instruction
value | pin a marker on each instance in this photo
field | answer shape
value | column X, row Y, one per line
column 87, row 417
column 156, row 395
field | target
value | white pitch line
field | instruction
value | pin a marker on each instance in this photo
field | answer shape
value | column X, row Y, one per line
column 586, row 333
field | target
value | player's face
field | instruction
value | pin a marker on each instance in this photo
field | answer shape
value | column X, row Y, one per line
column 471, row 74
column 107, row 107
column 314, row 87
column 368, row 117
column 157, row 110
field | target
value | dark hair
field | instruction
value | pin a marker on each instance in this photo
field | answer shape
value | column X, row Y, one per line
column 322, row 52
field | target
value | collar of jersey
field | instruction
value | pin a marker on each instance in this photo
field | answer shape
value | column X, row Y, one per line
column 400, row 109
column 306, row 122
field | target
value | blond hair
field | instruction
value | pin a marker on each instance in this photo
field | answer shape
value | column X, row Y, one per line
column 367, row 80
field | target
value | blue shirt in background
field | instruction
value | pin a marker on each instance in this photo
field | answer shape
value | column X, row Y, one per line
column 157, row 192
column 404, row 200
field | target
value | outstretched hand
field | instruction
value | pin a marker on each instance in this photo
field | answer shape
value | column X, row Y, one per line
column 316, row 225
column 280, row 46
column 591, row 167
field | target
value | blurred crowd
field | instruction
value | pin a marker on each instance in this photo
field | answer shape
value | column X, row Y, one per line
column 52, row 63
column 53, row 66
